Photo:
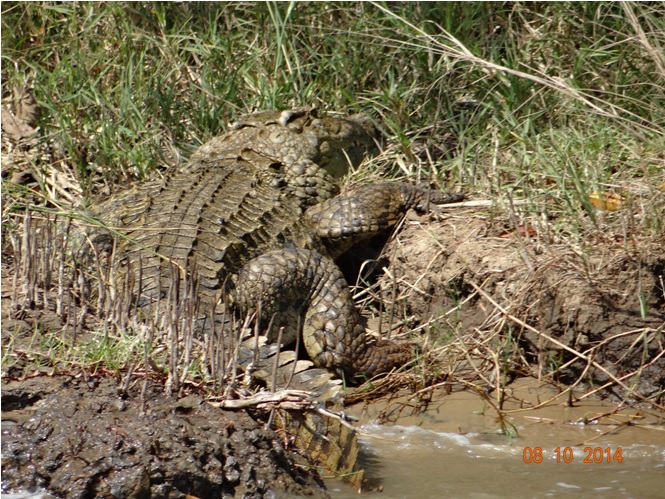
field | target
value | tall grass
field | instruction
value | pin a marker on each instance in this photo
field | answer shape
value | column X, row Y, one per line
column 127, row 87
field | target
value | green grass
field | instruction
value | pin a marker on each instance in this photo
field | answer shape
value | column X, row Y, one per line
column 549, row 101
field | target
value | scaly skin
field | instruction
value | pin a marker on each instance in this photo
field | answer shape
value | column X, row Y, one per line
column 315, row 151
column 332, row 331
column 257, row 213
column 255, row 210
column 240, row 195
column 294, row 283
column 307, row 153
column 369, row 210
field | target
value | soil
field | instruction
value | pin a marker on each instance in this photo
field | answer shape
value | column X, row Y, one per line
column 82, row 437
column 584, row 315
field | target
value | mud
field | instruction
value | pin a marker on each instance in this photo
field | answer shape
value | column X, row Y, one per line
column 590, row 314
column 84, row 437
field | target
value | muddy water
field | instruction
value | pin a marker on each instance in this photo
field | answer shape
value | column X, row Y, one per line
column 457, row 449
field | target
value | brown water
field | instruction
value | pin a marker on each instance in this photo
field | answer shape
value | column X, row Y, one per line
column 457, row 449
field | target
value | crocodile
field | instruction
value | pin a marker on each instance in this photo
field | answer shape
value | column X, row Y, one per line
column 258, row 211
column 258, row 215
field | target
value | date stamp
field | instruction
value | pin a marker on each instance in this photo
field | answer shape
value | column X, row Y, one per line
column 566, row 455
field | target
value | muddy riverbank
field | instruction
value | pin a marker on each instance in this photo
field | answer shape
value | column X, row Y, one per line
column 488, row 311
column 82, row 436
column 486, row 307
column 523, row 301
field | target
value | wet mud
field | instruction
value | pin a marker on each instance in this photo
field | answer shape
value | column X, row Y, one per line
column 83, row 437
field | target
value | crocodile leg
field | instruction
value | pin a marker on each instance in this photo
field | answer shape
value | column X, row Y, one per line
column 369, row 210
column 294, row 283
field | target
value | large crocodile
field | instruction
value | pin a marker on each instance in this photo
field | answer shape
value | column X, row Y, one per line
column 257, row 213
column 257, row 210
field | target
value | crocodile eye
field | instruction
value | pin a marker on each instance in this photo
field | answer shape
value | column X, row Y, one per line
column 278, row 136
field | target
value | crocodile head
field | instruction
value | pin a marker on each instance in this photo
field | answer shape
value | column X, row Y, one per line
column 334, row 143
column 329, row 146
column 311, row 151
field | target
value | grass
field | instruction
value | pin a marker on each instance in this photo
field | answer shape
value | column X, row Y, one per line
column 129, row 88
column 546, row 102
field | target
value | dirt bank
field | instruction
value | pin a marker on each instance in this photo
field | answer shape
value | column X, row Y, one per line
column 591, row 313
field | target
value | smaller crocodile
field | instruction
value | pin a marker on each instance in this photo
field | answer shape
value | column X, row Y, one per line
column 331, row 326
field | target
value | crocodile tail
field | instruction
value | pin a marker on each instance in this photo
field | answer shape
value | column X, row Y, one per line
column 381, row 357
column 420, row 197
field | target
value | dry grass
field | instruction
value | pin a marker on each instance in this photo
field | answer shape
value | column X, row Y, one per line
column 519, row 311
